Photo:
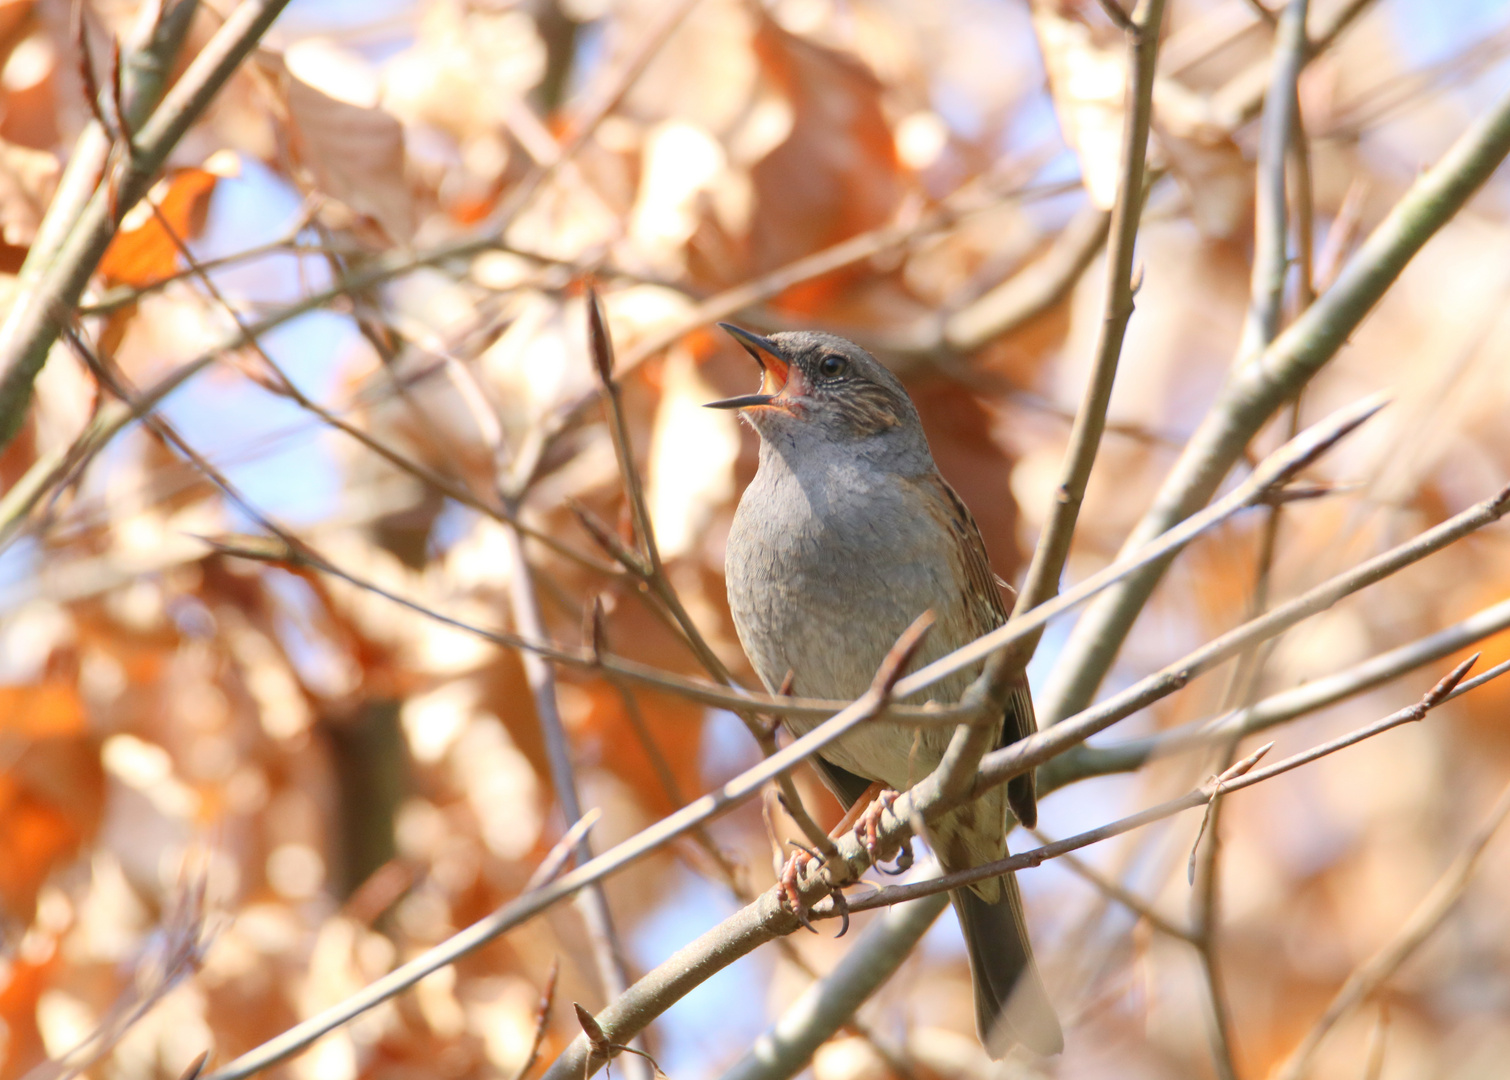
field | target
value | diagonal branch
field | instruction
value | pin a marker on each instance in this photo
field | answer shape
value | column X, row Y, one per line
column 764, row 920
column 1257, row 391
column 31, row 328
column 1280, row 708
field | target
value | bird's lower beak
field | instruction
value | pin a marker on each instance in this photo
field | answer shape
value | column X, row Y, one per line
column 776, row 372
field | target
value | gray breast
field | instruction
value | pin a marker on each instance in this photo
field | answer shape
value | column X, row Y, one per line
column 825, row 571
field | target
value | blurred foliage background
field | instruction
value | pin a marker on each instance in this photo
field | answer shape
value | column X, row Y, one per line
column 347, row 782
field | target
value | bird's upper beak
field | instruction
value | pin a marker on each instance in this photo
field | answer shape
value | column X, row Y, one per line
column 776, row 372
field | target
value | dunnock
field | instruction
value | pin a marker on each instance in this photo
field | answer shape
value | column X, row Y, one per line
column 845, row 536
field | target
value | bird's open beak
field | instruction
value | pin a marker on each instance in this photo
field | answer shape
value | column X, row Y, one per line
column 776, row 372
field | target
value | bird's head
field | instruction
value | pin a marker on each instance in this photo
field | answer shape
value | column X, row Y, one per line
column 820, row 387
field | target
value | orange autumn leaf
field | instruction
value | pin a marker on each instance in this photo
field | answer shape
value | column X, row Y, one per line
column 50, row 801
column 41, row 711
column 145, row 253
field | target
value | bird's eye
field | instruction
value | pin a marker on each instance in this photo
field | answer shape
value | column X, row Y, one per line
column 832, row 365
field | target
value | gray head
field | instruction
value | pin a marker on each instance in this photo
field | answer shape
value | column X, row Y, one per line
column 819, row 393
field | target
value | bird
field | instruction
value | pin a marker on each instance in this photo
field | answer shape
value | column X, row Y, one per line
column 845, row 536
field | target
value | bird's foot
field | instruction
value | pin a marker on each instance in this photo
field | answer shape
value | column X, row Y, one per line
column 786, row 886
column 868, row 826
column 791, row 896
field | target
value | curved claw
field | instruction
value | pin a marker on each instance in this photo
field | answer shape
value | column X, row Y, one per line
column 903, row 861
column 841, row 905
column 786, row 886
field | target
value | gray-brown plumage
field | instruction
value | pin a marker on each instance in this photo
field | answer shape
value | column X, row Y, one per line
column 845, row 536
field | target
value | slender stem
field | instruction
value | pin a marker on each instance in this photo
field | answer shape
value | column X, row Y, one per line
column 1260, row 388
column 30, row 329
column 1003, row 764
column 787, row 1046
column 1116, row 893
column 1053, row 549
column 758, row 923
column 591, row 902
column 1271, row 262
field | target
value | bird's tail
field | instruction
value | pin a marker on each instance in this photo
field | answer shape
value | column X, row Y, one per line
column 1011, row 1003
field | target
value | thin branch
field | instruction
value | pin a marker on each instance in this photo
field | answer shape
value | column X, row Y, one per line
column 287, row 388
column 1121, row 19
column 753, row 920
column 152, row 48
column 31, row 328
column 1241, row 775
column 1266, row 482
column 751, row 293
column 758, row 923
column 648, row 567
column 1281, row 120
column 1373, row 973
column 591, row 902
column 971, row 741
column 1271, row 265
column 1005, row 763
column 1280, row 708
column 1053, row 548
column 1259, row 389
column 526, row 906
column 1115, row 892
column 787, row 1046
column 1029, row 292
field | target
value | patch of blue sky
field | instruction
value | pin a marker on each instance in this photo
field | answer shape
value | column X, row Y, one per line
column 303, row 18
column 452, row 524
column 238, row 424
column 18, row 565
column 697, row 1035
column 247, row 211
column 1429, row 33
column 727, row 748
column 592, row 50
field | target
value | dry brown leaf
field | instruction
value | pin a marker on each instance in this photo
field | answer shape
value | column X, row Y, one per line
column 354, row 152
column 1087, row 71
column 27, row 179
column 50, row 801
column 836, row 174
column 41, row 711
column 143, row 252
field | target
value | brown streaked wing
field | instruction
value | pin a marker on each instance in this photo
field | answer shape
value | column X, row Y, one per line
column 987, row 611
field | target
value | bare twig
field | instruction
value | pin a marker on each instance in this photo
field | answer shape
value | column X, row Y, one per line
column 1121, row 19
column 787, row 1046
column 1027, row 293
column 1009, row 761
column 30, row 328
column 758, row 923
column 591, row 902
column 1278, row 708
column 1258, row 390
column 1281, row 121
column 542, row 1020
column 1115, row 892
column 962, row 757
column 1271, row 474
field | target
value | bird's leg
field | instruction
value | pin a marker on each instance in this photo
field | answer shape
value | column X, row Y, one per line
column 868, row 825
column 786, row 885
column 790, row 895
column 856, row 808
